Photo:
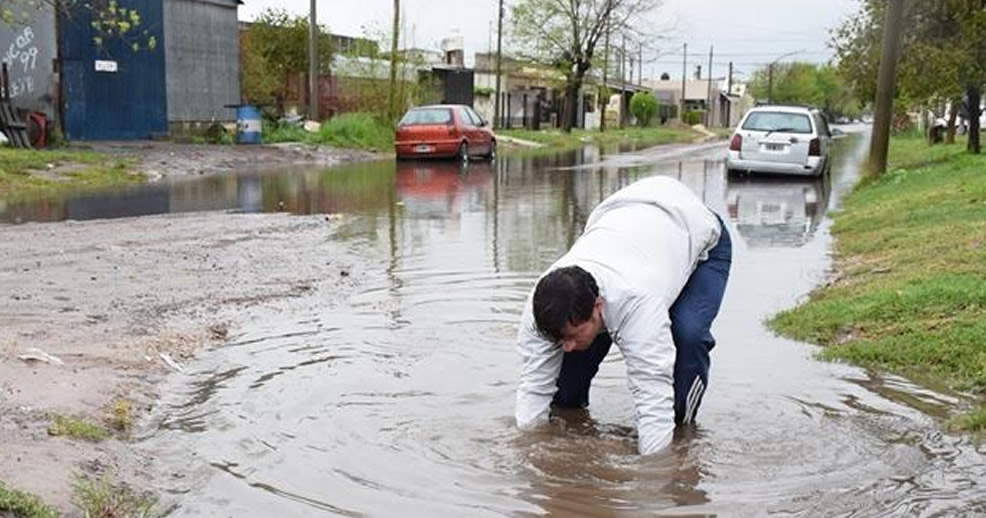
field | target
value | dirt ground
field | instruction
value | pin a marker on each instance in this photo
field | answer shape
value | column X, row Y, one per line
column 168, row 159
column 121, row 303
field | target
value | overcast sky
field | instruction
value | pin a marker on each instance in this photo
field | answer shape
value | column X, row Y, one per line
column 749, row 33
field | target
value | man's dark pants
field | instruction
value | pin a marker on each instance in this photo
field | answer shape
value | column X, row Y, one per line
column 691, row 320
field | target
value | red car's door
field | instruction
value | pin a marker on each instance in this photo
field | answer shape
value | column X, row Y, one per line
column 473, row 132
column 483, row 132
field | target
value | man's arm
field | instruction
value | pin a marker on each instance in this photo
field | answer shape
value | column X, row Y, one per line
column 541, row 364
column 649, row 351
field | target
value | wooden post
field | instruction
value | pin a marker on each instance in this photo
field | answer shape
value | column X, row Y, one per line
column 884, row 104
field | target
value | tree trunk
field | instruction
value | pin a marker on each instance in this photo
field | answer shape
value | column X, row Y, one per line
column 953, row 113
column 572, row 88
column 973, row 94
column 928, row 121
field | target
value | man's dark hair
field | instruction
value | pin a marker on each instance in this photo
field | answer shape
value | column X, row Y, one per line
column 565, row 295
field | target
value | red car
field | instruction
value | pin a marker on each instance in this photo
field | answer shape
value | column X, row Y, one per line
column 444, row 131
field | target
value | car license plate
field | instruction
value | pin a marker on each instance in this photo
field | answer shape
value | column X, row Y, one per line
column 423, row 149
column 774, row 147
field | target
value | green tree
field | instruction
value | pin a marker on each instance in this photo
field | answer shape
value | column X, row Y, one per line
column 807, row 83
column 643, row 106
column 275, row 49
column 565, row 35
column 111, row 19
column 943, row 56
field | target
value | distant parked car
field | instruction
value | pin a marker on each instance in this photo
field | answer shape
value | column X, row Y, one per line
column 444, row 131
column 791, row 140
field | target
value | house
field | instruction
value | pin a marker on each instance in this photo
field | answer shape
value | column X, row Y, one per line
column 721, row 108
column 533, row 95
column 178, row 67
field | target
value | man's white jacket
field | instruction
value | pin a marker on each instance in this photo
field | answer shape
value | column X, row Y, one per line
column 640, row 244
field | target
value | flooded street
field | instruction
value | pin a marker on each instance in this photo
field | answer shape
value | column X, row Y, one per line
column 399, row 400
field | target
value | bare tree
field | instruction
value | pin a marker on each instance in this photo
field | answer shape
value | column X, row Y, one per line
column 395, row 34
column 564, row 34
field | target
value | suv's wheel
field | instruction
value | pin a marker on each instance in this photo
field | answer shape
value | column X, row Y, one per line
column 463, row 153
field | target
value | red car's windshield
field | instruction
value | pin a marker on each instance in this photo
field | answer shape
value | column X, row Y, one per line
column 427, row 116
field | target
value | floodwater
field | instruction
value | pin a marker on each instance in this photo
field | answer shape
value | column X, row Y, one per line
column 399, row 401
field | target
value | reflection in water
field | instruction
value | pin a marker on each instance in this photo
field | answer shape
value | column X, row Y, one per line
column 772, row 212
column 399, row 400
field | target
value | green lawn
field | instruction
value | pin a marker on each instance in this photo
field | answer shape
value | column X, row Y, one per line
column 910, row 291
column 29, row 173
column 640, row 137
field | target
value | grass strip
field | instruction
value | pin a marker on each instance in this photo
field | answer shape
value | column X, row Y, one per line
column 910, row 291
column 26, row 173
column 639, row 137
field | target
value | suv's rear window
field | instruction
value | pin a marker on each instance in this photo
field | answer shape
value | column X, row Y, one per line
column 778, row 121
column 427, row 116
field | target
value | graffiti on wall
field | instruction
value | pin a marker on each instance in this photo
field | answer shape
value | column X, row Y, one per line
column 28, row 49
column 22, row 59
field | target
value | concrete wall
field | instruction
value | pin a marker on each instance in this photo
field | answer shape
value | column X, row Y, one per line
column 202, row 55
column 28, row 48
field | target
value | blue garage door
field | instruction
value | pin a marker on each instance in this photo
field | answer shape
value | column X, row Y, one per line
column 111, row 91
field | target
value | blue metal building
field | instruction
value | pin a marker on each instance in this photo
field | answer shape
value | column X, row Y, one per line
column 111, row 91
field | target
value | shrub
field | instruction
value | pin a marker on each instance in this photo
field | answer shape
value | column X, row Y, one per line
column 693, row 117
column 643, row 106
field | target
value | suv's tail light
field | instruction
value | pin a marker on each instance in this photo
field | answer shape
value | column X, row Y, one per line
column 736, row 144
column 815, row 147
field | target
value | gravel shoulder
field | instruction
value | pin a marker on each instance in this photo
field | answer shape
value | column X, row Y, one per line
column 121, row 304
column 157, row 160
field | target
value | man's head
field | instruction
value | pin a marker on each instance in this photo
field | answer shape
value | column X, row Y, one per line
column 568, row 308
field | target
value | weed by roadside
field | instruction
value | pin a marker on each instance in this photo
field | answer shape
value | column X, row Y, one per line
column 974, row 421
column 120, row 415
column 23, row 505
column 77, row 428
column 101, row 498
column 350, row 130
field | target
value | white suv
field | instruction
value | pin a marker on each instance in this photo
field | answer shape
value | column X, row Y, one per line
column 777, row 139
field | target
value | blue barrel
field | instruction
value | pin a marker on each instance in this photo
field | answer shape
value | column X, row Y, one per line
column 248, row 126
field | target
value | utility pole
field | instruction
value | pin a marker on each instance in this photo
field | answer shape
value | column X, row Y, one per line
column 729, row 93
column 499, row 57
column 729, row 84
column 605, row 89
column 884, row 104
column 770, row 74
column 708, row 94
column 395, row 33
column 684, row 76
column 623, row 82
column 312, row 65
column 770, row 83
column 640, row 64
